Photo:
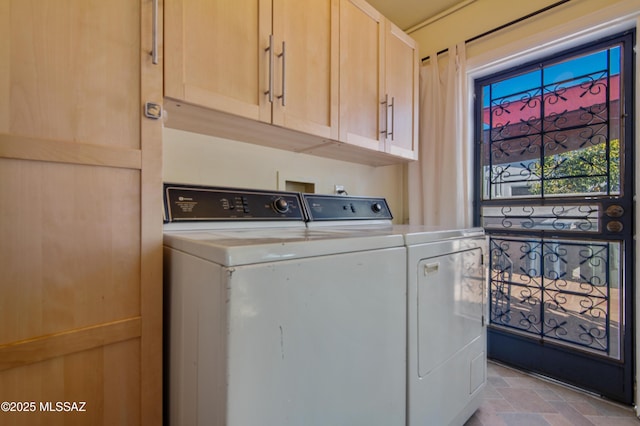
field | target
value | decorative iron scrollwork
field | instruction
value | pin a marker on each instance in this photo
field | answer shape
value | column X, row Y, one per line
column 555, row 289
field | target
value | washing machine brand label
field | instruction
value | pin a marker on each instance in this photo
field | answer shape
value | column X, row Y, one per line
column 186, row 204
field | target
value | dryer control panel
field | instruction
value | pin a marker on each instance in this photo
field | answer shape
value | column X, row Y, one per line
column 340, row 207
column 201, row 203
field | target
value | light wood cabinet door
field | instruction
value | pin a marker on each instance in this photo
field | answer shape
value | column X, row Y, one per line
column 306, row 69
column 378, row 82
column 361, row 74
column 216, row 57
column 219, row 55
column 401, row 87
column 80, row 209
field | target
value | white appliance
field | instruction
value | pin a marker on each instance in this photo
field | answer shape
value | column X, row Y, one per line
column 446, row 369
column 446, row 351
column 273, row 324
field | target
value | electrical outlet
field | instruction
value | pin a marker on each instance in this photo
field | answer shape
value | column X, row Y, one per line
column 339, row 189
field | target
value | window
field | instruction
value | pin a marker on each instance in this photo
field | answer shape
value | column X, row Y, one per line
column 553, row 129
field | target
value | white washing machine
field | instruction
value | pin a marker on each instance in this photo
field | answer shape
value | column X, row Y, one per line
column 446, row 351
column 269, row 323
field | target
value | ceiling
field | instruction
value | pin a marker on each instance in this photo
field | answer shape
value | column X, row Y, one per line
column 408, row 13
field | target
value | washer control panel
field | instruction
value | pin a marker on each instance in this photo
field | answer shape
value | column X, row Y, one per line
column 201, row 203
column 340, row 207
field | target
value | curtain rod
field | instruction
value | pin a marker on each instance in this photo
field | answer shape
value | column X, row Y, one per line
column 508, row 24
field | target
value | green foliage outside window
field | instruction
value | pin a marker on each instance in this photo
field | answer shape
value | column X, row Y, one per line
column 579, row 171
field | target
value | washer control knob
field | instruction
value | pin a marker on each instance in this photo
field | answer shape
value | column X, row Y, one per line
column 376, row 207
column 281, row 205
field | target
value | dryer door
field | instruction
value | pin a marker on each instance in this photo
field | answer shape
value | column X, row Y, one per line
column 450, row 306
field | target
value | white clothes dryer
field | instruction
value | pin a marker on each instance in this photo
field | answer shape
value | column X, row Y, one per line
column 446, row 367
column 269, row 323
column 446, row 332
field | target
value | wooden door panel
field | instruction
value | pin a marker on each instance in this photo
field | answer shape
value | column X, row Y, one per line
column 361, row 79
column 80, row 201
column 401, row 85
column 71, row 251
column 215, row 55
column 108, row 390
column 308, row 73
column 71, row 68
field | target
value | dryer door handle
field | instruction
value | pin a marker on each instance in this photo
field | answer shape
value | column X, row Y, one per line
column 431, row 268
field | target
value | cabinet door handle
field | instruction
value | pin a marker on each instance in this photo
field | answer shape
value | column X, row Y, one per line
column 284, row 61
column 154, row 32
column 270, row 50
column 393, row 124
column 386, row 115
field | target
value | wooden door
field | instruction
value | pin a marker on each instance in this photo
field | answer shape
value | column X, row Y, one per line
column 402, row 91
column 306, row 74
column 361, row 74
column 215, row 55
column 80, row 234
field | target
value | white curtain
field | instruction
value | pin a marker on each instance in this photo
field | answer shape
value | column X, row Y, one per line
column 440, row 191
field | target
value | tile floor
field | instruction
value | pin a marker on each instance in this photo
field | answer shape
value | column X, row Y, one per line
column 513, row 398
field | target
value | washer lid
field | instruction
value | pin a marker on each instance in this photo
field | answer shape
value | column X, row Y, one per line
column 233, row 247
column 415, row 234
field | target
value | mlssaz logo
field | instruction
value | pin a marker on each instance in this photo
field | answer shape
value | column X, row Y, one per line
column 63, row 406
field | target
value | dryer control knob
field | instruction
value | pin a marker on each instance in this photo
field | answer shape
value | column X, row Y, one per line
column 281, row 205
column 376, row 207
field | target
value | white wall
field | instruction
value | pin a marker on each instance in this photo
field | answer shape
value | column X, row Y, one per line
column 206, row 160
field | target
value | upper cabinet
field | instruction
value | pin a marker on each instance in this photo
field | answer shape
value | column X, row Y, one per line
column 305, row 73
column 274, row 62
column 215, row 55
column 401, row 93
column 362, row 76
column 312, row 76
column 378, row 82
